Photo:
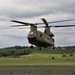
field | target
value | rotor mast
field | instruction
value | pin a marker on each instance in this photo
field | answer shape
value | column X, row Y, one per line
column 33, row 28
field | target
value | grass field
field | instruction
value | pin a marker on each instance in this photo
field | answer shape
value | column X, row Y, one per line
column 56, row 73
column 38, row 60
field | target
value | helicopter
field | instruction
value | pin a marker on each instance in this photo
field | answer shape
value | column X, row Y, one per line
column 39, row 38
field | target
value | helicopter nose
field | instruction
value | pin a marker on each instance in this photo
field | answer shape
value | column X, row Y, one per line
column 32, row 35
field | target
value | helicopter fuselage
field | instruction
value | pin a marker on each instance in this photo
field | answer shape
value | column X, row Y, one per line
column 40, row 39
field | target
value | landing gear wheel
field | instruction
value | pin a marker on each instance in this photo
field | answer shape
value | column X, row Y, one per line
column 53, row 47
column 39, row 48
column 31, row 46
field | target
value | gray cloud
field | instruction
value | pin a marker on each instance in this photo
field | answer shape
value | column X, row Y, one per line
column 33, row 10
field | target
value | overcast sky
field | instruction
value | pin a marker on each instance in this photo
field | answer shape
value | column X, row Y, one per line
column 32, row 11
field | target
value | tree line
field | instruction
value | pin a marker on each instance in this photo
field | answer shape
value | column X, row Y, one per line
column 14, row 51
column 25, row 50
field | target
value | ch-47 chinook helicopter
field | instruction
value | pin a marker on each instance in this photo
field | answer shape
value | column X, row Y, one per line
column 38, row 38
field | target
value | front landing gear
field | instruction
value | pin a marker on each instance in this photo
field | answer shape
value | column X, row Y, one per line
column 31, row 46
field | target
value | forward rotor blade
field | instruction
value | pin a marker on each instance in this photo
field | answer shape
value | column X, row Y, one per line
column 24, row 28
column 57, row 21
column 17, row 25
column 25, row 23
column 21, row 22
column 57, row 26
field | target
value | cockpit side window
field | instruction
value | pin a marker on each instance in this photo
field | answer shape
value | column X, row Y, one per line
column 45, row 31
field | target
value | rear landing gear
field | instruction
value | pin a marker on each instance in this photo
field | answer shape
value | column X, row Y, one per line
column 39, row 48
column 53, row 47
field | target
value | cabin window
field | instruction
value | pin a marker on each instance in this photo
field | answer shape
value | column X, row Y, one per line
column 40, row 35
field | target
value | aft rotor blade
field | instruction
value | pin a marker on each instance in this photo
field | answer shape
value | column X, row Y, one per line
column 45, row 22
column 63, row 26
column 58, row 26
column 58, row 21
column 62, row 21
